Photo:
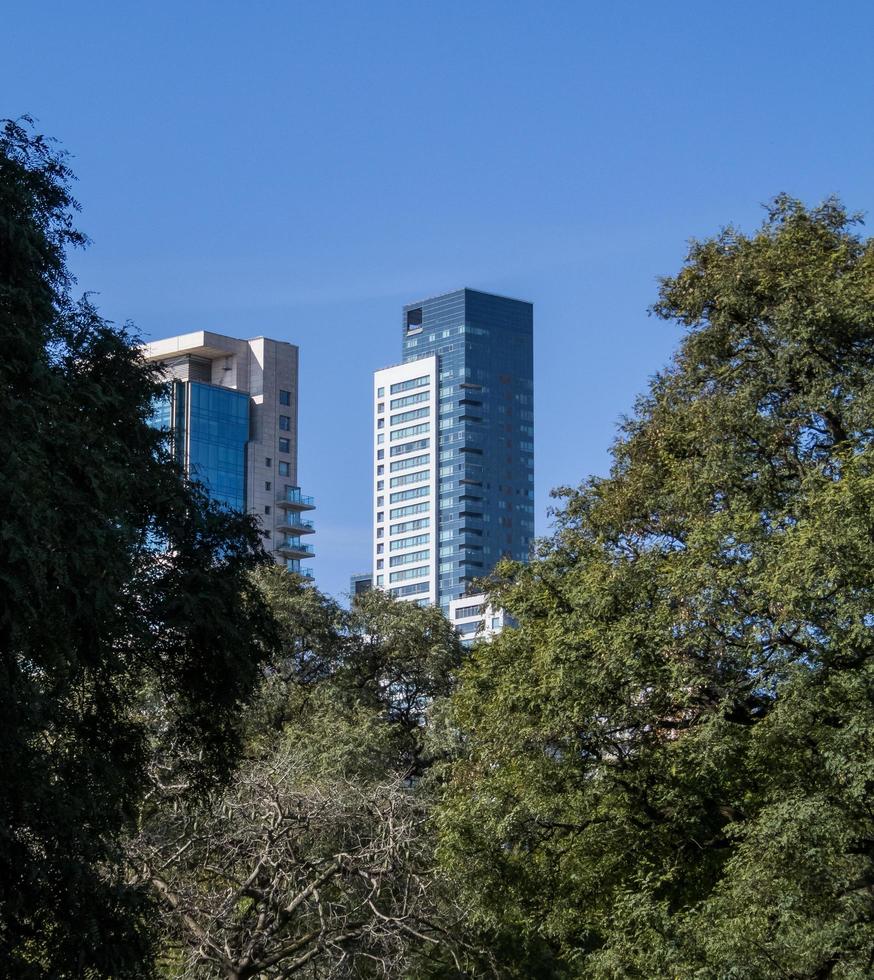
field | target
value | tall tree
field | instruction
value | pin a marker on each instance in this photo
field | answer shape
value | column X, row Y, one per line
column 669, row 766
column 96, row 622
column 317, row 860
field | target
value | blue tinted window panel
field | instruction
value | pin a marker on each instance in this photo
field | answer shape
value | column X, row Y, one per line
column 217, row 437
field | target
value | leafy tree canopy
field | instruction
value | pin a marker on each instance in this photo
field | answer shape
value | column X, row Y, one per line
column 316, row 861
column 669, row 766
column 97, row 624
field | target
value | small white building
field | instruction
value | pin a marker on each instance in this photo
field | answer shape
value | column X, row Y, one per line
column 474, row 619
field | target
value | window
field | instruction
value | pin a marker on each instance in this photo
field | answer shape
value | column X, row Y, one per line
column 410, row 494
column 411, row 526
column 266, row 534
column 380, row 438
column 407, row 512
column 416, row 413
column 380, row 484
column 380, row 548
column 285, row 445
column 463, row 612
column 380, row 407
column 380, row 470
column 285, row 423
column 496, row 622
column 411, row 430
column 380, row 423
column 380, row 454
column 414, row 589
column 268, row 460
column 268, row 485
column 415, row 399
column 379, row 517
column 380, row 501
column 379, row 579
column 380, row 562
column 380, row 532
column 284, row 397
column 400, row 543
column 380, row 392
column 410, row 463
column 410, row 559
column 409, row 447
column 283, row 469
column 406, row 478
column 408, row 573
column 412, row 383
column 267, row 508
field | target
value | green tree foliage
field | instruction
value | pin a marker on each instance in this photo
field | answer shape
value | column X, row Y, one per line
column 92, row 614
column 316, row 861
column 669, row 766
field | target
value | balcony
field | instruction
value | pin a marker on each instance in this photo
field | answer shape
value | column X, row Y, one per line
column 293, row 548
column 295, row 524
column 293, row 565
column 293, row 499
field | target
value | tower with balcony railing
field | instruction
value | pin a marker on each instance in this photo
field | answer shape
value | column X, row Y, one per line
column 231, row 412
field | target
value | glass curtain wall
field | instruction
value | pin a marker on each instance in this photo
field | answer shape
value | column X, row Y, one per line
column 484, row 345
column 218, row 430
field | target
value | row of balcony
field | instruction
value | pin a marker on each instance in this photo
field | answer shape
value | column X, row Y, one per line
column 293, row 502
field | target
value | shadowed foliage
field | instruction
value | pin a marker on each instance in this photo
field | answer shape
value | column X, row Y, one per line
column 96, row 621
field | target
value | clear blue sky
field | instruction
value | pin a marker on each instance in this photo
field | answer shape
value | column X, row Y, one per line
column 302, row 170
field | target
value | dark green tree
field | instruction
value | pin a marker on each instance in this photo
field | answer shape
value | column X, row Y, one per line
column 98, row 625
column 668, row 768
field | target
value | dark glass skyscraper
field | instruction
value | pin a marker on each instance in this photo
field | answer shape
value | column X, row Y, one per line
column 481, row 426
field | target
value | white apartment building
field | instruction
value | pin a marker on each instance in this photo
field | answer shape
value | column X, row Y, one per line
column 406, row 497
column 233, row 415
column 405, row 474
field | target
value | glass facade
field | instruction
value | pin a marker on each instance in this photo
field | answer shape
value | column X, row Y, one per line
column 218, row 430
column 209, row 428
column 484, row 346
